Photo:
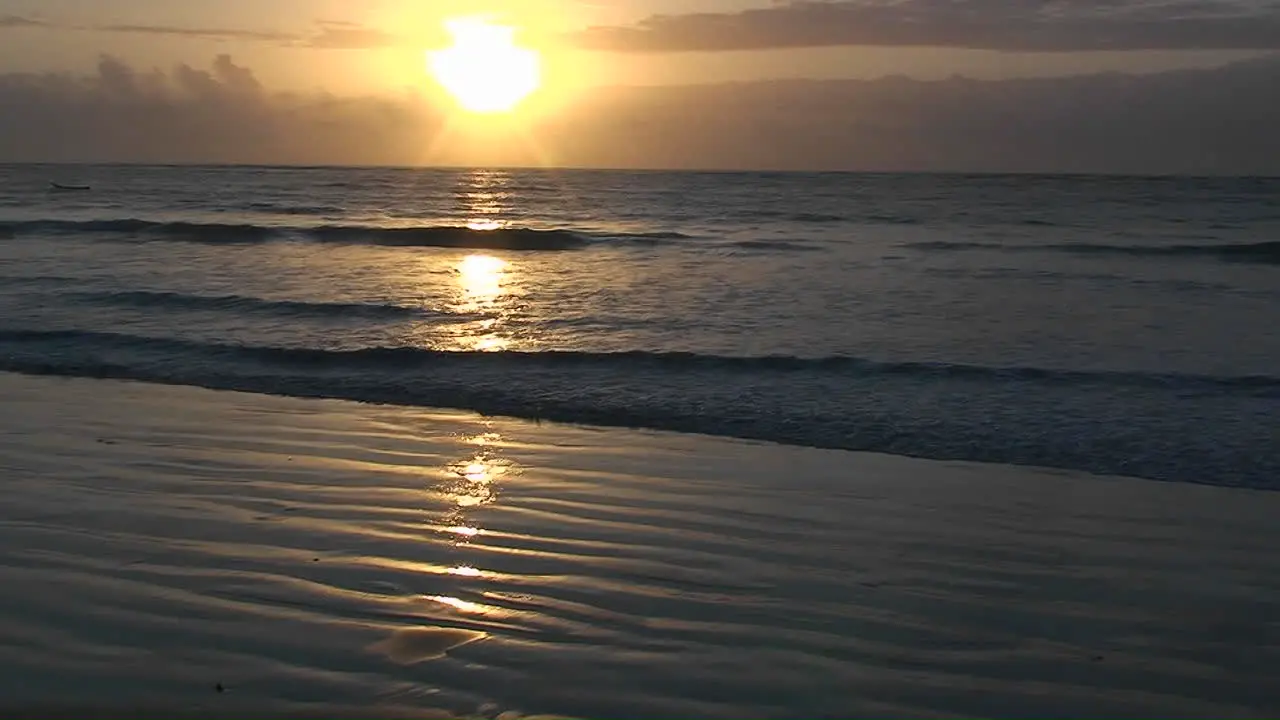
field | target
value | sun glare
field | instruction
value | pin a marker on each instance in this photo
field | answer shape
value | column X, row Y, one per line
column 484, row 69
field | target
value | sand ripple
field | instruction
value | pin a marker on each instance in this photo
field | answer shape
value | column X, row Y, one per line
column 224, row 553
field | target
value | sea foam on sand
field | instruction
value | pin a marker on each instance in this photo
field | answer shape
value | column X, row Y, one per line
column 221, row 554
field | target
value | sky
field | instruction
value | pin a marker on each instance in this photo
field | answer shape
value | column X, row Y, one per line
column 699, row 83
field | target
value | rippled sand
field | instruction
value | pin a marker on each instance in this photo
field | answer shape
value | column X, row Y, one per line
column 225, row 554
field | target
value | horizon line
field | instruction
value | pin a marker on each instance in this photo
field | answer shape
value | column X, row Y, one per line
column 602, row 169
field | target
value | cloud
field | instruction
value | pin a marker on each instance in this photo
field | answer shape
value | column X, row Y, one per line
column 14, row 21
column 1218, row 121
column 218, row 114
column 342, row 35
column 204, row 33
column 327, row 34
column 1003, row 25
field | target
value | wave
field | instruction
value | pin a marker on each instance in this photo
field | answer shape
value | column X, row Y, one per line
column 817, row 218
column 450, row 237
column 1266, row 253
column 892, row 219
column 187, row 231
column 242, row 304
column 775, row 246
column 441, row 236
column 1042, row 275
column 303, row 210
column 793, row 216
column 413, row 358
column 805, row 217
column 36, row 280
column 1121, row 423
column 434, row 236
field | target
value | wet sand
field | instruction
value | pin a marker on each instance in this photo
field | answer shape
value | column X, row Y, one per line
column 227, row 554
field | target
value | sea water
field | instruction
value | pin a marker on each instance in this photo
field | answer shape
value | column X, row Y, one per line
column 1118, row 325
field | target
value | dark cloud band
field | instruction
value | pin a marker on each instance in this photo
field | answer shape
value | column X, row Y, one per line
column 326, row 35
column 1196, row 121
column 1003, row 25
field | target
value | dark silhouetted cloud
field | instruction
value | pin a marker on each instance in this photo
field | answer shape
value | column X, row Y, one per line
column 327, row 34
column 219, row 114
column 205, row 33
column 15, row 21
column 1217, row 121
column 336, row 35
column 1005, row 25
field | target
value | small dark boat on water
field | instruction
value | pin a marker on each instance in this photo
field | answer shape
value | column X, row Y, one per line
column 60, row 186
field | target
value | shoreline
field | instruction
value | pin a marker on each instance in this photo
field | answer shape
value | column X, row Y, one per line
column 314, row 554
column 983, row 427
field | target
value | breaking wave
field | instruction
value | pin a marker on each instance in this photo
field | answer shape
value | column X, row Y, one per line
column 244, row 304
column 440, row 236
column 1267, row 253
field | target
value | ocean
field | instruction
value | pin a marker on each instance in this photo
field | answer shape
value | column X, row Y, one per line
column 1115, row 325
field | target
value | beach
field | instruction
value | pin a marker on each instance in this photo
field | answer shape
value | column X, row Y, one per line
column 639, row 360
column 229, row 554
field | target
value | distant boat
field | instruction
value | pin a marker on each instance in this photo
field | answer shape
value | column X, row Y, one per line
column 60, row 186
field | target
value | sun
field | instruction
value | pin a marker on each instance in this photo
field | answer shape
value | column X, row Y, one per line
column 484, row 69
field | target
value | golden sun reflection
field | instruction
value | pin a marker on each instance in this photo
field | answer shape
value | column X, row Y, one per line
column 484, row 439
column 474, row 486
column 482, row 281
column 458, row 604
column 484, row 199
column 481, row 278
column 473, row 481
column 476, row 472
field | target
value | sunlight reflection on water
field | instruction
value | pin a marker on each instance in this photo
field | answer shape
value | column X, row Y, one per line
column 485, row 282
column 484, row 289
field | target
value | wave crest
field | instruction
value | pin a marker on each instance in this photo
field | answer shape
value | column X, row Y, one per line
column 667, row 362
column 241, row 303
column 441, row 236
column 450, row 237
column 1267, row 252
